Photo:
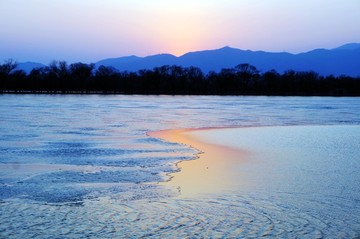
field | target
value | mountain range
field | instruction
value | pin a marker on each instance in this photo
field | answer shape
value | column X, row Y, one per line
column 343, row 60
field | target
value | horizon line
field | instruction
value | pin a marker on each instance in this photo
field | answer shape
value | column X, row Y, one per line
column 179, row 56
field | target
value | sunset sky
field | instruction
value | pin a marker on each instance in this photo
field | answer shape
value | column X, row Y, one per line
column 91, row 30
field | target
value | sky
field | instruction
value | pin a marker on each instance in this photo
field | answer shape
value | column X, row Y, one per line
column 92, row 30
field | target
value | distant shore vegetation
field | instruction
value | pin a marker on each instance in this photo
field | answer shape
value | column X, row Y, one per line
column 243, row 79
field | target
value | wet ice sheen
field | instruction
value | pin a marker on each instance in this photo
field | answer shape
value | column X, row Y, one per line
column 94, row 169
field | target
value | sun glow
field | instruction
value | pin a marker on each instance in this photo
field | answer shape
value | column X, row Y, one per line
column 177, row 28
column 92, row 30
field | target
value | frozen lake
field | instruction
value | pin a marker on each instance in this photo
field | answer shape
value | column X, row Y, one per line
column 83, row 166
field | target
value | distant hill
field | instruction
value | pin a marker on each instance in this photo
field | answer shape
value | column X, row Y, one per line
column 28, row 66
column 134, row 63
column 350, row 46
column 344, row 60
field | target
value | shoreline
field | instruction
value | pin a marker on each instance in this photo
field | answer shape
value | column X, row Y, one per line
column 84, row 92
column 210, row 171
column 270, row 158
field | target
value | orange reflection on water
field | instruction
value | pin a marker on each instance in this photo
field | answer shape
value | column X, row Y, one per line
column 213, row 170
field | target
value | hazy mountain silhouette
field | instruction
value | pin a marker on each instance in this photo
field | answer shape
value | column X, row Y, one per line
column 28, row 66
column 350, row 46
column 344, row 60
column 134, row 63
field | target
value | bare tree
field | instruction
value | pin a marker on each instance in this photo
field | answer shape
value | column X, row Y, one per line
column 8, row 66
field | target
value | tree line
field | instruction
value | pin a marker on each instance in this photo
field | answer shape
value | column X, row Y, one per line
column 243, row 79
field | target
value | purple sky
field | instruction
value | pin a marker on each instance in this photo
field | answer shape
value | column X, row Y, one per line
column 91, row 30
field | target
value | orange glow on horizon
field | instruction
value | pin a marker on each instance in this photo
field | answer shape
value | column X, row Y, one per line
column 93, row 30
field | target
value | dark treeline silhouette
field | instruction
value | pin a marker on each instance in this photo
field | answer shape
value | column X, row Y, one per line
column 243, row 79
